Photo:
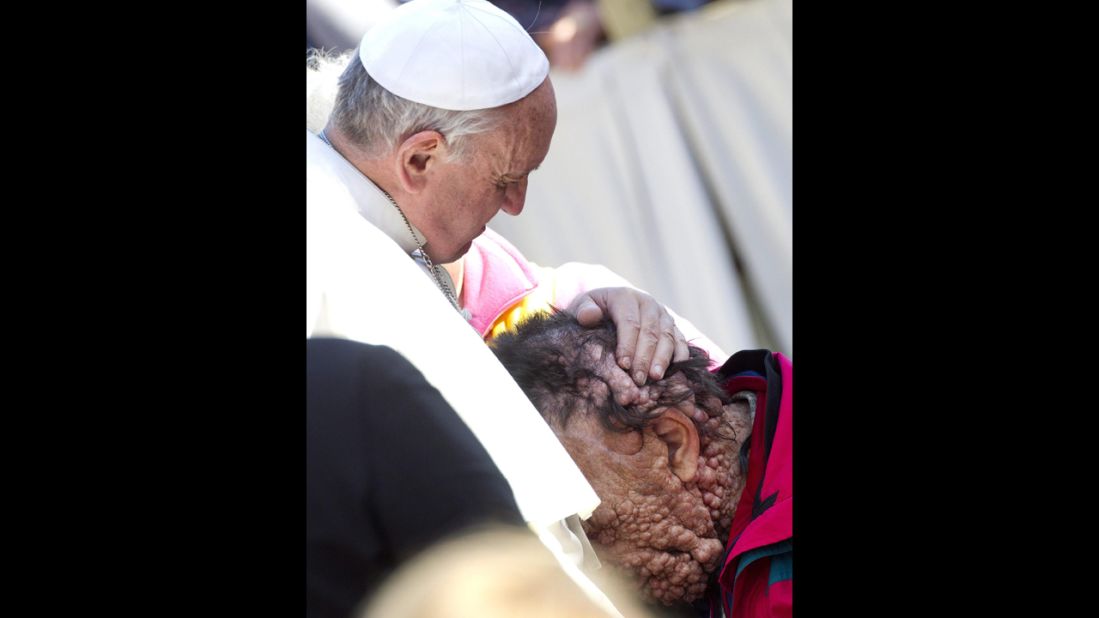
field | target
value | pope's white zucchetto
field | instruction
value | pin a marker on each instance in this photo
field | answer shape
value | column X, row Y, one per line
column 453, row 54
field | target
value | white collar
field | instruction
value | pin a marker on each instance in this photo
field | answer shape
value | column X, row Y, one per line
column 372, row 202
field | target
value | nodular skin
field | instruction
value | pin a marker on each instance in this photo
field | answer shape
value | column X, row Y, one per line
column 665, row 466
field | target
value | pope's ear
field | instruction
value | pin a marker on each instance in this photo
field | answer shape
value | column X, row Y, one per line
column 416, row 156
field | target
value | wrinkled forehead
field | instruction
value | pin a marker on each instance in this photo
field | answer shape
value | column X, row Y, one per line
column 528, row 126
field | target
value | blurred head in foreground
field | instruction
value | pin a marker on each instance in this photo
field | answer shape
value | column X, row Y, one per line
column 492, row 573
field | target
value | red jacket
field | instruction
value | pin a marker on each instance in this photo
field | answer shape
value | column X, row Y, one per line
column 756, row 579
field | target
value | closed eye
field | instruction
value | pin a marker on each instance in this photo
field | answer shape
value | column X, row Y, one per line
column 504, row 181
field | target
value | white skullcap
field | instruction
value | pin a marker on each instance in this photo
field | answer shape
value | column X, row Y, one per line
column 453, row 54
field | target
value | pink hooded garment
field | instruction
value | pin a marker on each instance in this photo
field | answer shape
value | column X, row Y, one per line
column 498, row 283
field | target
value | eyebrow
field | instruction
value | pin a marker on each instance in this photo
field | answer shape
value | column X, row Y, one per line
column 520, row 174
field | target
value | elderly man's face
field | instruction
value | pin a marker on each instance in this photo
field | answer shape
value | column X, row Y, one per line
column 492, row 176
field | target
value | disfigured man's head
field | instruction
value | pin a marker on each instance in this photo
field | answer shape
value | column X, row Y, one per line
column 665, row 467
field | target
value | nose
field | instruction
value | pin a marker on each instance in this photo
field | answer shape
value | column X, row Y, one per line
column 515, row 197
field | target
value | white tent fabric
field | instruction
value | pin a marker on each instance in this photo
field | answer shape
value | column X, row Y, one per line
column 667, row 144
column 735, row 89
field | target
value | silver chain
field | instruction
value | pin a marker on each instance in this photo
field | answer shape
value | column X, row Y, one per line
column 432, row 268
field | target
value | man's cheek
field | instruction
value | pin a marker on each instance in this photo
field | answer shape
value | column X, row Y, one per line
column 624, row 443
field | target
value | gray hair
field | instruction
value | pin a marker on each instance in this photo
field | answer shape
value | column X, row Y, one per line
column 376, row 120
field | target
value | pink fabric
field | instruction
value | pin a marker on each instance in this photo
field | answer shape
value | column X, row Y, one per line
column 756, row 597
column 777, row 523
column 753, row 595
column 495, row 277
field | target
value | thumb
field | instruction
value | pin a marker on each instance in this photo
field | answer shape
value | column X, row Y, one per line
column 587, row 312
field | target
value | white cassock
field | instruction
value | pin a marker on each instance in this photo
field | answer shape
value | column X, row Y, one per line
column 362, row 284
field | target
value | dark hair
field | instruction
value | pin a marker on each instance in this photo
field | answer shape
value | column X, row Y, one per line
column 549, row 356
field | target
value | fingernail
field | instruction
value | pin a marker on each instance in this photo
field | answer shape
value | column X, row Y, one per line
column 657, row 371
column 624, row 362
column 639, row 377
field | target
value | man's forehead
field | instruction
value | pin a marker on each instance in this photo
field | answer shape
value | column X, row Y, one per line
column 521, row 153
column 525, row 133
column 508, row 152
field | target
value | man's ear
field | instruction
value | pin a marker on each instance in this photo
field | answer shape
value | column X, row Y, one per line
column 680, row 435
column 415, row 158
